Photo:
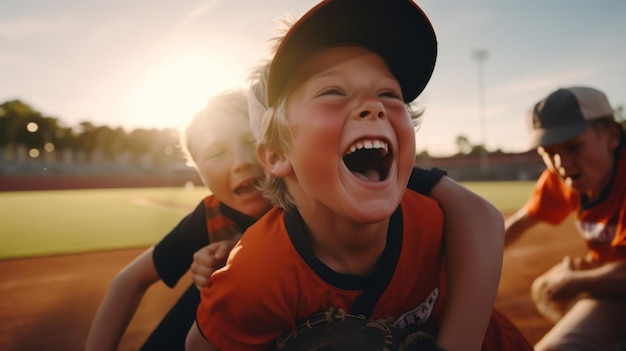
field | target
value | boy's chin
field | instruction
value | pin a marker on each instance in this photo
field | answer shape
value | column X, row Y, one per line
column 373, row 211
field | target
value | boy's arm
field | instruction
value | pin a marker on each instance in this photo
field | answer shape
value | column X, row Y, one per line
column 474, row 240
column 120, row 303
column 196, row 342
column 606, row 280
column 516, row 225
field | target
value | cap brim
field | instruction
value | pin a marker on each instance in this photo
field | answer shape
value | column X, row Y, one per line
column 556, row 135
column 397, row 30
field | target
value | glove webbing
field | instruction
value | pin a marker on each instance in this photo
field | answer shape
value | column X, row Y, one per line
column 332, row 315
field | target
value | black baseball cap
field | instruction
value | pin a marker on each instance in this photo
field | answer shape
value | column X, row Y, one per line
column 397, row 30
column 566, row 113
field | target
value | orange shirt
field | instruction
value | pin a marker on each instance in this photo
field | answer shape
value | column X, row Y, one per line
column 272, row 280
column 602, row 223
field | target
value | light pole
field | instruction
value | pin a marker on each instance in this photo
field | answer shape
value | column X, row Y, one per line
column 480, row 55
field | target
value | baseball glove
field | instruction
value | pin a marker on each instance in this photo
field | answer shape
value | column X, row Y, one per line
column 335, row 330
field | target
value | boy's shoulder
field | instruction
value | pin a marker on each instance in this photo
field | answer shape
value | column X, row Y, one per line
column 421, row 214
column 267, row 233
column 413, row 198
column 272, row 219
column 263, row 248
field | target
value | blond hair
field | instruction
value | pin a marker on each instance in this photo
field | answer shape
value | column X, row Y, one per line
column 223, row 105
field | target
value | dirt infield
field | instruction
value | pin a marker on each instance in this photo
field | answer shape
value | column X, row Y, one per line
column 47, row 303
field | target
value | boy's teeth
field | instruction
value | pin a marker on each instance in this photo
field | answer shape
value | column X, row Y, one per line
column 367, row 144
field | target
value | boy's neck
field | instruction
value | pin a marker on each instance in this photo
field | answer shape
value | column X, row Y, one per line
column 345, row 246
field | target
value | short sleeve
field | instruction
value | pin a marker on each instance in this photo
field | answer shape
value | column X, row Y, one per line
column 423, row 180
column 549, row 201
column 173, row 255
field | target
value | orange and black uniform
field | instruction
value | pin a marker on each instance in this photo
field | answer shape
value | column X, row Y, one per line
column 602, row 222
column 209, row 222
column 273, row 279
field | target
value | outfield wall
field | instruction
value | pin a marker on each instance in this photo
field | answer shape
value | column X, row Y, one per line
column 24, row 183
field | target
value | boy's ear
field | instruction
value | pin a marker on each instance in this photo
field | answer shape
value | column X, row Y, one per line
column 275, row 162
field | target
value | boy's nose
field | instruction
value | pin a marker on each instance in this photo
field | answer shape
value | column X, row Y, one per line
column 244, row 158
column 365, row 114
column 372, row 108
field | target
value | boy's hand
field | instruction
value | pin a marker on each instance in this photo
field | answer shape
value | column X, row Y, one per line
column 551, row 292
column 208, row 259
column 585, row 262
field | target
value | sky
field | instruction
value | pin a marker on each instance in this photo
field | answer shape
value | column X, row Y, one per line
column 154, row 63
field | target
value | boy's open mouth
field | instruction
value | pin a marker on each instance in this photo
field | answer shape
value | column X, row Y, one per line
column 247, row 187
column 369, row 159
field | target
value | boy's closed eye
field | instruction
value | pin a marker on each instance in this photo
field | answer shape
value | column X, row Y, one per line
column 390, row 94
column 336, row 91
column 214, row 153
column 331, row 91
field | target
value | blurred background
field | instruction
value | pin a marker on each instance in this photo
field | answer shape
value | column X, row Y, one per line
column 93, row 94
column 104, row 87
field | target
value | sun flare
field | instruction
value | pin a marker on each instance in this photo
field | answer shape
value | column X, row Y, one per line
column 173, row 92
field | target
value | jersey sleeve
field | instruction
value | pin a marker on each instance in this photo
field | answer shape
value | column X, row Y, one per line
column 549, row 201
column 173, row 255
column 423, row 180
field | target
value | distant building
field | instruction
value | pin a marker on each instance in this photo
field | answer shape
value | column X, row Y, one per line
column 497, row 166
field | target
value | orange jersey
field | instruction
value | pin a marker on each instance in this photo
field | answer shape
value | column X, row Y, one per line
column 273, row 279
column 602, row 223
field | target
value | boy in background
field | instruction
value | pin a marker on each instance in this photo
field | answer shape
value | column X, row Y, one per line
column 218, row 143
column 584, row 149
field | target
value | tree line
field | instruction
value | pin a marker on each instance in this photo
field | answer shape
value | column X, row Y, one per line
column 22, row 125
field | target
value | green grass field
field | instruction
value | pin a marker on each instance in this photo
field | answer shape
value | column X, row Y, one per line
column 506, row 196
column 39, row 223
column 35, row 223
